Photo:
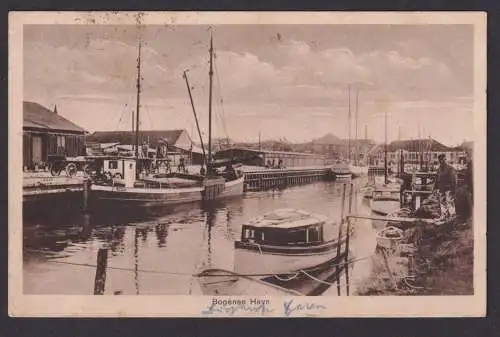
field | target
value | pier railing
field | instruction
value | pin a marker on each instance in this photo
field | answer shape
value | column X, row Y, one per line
column 275, row 178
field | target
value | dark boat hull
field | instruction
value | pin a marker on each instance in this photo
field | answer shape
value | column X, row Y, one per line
column 150, row 197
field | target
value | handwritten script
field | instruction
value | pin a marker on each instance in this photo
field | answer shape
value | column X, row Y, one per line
column 259, row 309
column 290, row 307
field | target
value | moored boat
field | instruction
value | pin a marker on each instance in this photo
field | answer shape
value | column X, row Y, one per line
column 286, row 241
column 153, row 191
column 358, row 170
column 340, row 171
column 385, row 199
column 125, row 180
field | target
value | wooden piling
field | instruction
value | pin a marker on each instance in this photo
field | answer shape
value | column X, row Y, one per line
column 86, row 193
column 100, row 274
column 339, row 240
column 348, row 237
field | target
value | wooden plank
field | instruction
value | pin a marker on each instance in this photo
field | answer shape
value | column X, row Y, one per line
column 391, row 219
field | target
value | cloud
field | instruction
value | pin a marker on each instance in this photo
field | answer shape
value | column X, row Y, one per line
column 290, row 81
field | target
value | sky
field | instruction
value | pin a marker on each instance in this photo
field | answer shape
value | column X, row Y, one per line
column 282, row 81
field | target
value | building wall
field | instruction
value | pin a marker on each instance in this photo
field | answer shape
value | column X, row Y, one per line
column 70, row 145
column 294, row 160
column 452, row 157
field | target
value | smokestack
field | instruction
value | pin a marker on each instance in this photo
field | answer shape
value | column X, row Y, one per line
column 366, row 132
column 55, row 109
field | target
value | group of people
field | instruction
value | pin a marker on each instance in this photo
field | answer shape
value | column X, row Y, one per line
column 446, row 184
column 271, row 164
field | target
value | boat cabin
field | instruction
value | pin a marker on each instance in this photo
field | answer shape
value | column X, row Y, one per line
column 285, row 228
column 116, row 168
column 423, row 180
column 422, row 185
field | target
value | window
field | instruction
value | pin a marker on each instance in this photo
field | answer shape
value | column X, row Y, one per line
column 297, row 236
column 249, row 233
column 314, row 234
column 61, row 141
column 113, row 165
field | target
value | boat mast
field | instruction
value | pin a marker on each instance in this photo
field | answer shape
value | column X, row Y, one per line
column 211, row 72
column 356, row 123
column 195, row 116
column 138, row 103
column 385, row 150
column 349, row 124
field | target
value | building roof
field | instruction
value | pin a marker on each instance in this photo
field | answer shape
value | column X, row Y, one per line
column 128, row 137
column 36, row 116
column 256, row 151
column 413, row 145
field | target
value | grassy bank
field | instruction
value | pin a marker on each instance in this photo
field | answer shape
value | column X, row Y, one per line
column 442, row 264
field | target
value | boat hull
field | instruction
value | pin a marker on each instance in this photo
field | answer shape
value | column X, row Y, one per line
column 384, row 206
column 148, row 197
column 260, row 260
column 358, row 171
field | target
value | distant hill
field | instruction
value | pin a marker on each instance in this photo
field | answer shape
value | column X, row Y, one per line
column 329, row 138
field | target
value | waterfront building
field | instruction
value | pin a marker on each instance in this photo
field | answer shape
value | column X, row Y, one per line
column 415, row 152
column 256, row 157
column 177, row 142
column 47, row 133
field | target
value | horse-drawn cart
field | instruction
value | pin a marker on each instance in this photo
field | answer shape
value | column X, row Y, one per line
column 71, row 165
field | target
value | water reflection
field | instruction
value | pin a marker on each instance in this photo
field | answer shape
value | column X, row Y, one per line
column 187, row 239
column 161, row 231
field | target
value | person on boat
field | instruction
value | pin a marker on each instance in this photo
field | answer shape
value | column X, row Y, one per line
column 406, row 182
column 230, row 172
column 145, row 150
column 446, row 177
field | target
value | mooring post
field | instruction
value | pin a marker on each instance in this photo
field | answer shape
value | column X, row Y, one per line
column 86, row 191
column 100, row 274
column 348, row 237
column 339, row 240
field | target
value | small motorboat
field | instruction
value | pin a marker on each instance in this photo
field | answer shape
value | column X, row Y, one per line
column 285, row 241
column 390, row 237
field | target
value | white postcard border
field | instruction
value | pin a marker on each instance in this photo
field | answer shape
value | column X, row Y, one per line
column 193, row 306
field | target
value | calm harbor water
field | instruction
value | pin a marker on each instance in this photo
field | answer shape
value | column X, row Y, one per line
column 158, row 253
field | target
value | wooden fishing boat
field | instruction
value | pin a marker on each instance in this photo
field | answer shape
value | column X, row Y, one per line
column 385, row 199
column 151, row 191
column 285, row 241
column 358, row 170
column 125, row 182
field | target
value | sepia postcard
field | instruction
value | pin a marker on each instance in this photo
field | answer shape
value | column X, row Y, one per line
column 247, row 164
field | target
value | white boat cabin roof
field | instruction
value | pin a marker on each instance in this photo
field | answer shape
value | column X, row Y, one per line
column 287, row 218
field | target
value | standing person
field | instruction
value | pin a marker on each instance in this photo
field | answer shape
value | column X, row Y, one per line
column 464, row 200
column 446, row 177
column 469, row 178
column 182, row 165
